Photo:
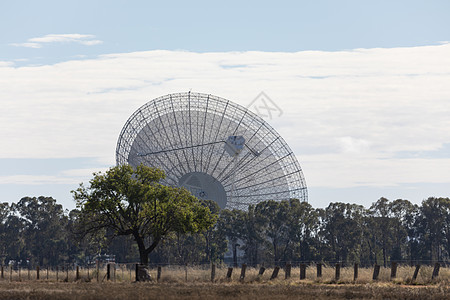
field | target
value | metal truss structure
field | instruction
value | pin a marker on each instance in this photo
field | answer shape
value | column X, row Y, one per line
column 185, row 134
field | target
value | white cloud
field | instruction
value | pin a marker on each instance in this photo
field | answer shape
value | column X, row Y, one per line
column 27, row 45
column 71, row 176
column 6, row 64
column 347, row 115
column 37, row 42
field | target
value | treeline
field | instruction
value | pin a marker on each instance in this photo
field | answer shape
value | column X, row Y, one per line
column 39, row 231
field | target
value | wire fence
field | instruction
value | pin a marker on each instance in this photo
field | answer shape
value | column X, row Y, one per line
column 324, row 272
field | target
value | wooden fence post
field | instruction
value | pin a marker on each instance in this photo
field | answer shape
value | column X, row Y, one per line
column 10, row 272
column 261, row 271
column 287, row 271
column 47, row 272
column 77, row 273
column 393, row 270
column 56, row 273
column 416, row 272
column 108, row 271
column 275, row 273
column 137, row 272
column 37, row 272
column 158, row 274
column 319, row 270
column 19, row 272
column 302, row 271
column 213, row 272
column 435, row 270
column 337, row 274
column 67, row 274
column 3, row 276
column 185, row 272
column 229, row 272
column 98, row 269
column 242, row 277
column 29, row 273
column 355, row 272
column 376, row 272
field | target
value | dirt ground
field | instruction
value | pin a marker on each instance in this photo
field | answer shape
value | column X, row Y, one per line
column 110, row 290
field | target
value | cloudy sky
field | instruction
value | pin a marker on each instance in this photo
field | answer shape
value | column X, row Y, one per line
column 363, row 86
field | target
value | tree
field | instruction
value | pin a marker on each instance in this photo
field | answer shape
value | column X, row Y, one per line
column 383, row 224
column 274, row 219
column 342, row 229
column 131, row 201
column 229, row 226
column 434, row 228
column 43, row 231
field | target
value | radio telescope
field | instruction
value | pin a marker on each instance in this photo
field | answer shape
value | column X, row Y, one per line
column 215, row 148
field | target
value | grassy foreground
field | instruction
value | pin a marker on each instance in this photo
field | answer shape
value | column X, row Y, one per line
column 111, row 290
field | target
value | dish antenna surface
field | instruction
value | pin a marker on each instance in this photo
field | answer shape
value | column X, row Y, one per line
column 215, row 148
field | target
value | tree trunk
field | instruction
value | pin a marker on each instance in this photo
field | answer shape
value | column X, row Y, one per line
column 234, row 245
column 143, row 256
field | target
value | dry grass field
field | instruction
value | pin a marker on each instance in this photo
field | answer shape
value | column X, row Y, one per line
column 173, row 285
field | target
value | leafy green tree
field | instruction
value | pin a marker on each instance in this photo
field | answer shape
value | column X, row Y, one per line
column 274, row 219
column 44, row 223
column 433, row 228
column 383, row 225
column 132, row 202
column 342, row 230
column 303, row 228
column 250, row 233
column 229, row 225
column 404, row 214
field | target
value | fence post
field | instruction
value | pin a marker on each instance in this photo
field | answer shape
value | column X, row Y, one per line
column 229, row 272
column 108, row 271
column 302, row 271
column 261, row 271
column 319, row 270
column 393, row 270
column 37, row 272
column 47, row 272
column 376, row 272
column 287, row 271
column 158, row 274
column 185, row 272
column 18, row 267
column 10, row 272
column 435, row 271
column 57, row 273
column 77, row 273
column 275, row 273
column 416, row 272
column 355, row 272
column 29, row 273
column 3, row 276
column 337, row 275
column 213, row 272
column 242, row 277
column 67, row 273
column 98, row 269
column 137, row 272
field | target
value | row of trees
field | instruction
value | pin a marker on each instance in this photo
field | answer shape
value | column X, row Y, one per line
column 40, row 231
column 127, row 213
column 293, row 231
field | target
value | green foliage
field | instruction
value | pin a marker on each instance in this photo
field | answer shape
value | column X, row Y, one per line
column 130, row 201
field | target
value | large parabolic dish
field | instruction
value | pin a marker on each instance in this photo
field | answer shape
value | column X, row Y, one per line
column 188, row 136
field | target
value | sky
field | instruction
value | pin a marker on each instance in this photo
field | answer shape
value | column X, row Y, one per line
column 363, row 86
